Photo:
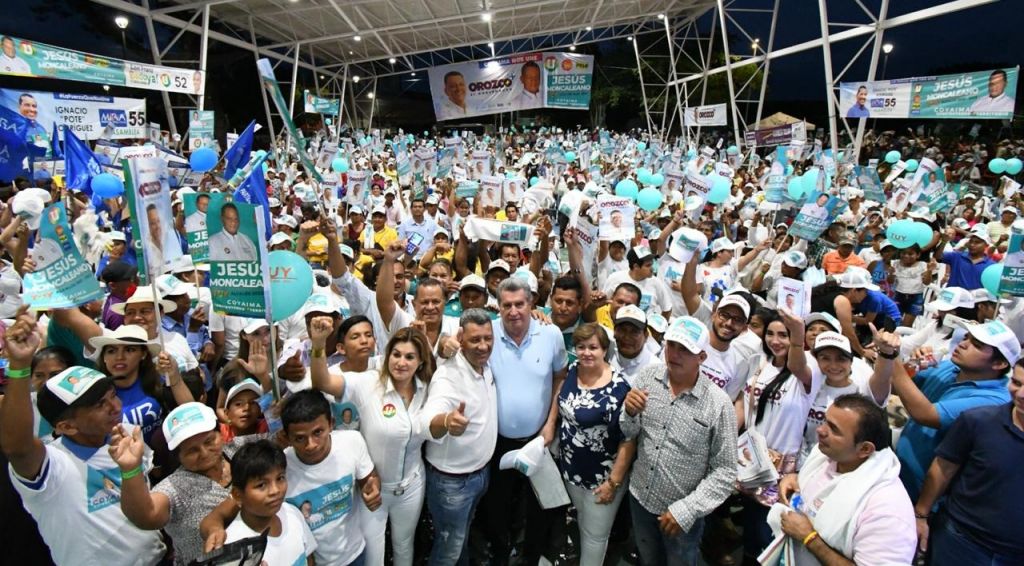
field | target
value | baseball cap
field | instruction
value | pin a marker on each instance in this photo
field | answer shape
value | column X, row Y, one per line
column 432, row 199
column 186, row 421
column 960, row 224
column 922, row 213
column 528, row 276
column 848, row 240
column 982, row 295
column 356, row 210
column 720, row 244
column 74, row 387
column 125, row 335
column 856, row 279
column 689, row 333
column 657, row 323
column 247, row 384
column 10, row 292
column 639, row 254
column 254, row 326
column 143, row 294
column 347, row 251
column 832, row 340
column 117, row 236
column 999, row 336
column 379, row 209
column 287, row 220
column 823, row 317
column 278, row 238
column 631, row 314
column 952, row 298
column 499, row 264
column 980, row 231
column 171, row 286
column 526, row 460
column 186, row 265
column 737, row 301
column 117, row 271
column 795, row 259
column 319, row 303
column 273, row 202
column 473, row 280
column 1012, row 209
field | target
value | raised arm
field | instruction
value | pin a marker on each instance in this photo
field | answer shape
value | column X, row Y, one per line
column 688, row 286
column 796, row 358
column 385, row 291
column 752, row 254
column 914, row 401
column 24, row 451
column 319, row 329
column 888, row 346
column 145, row 509
column 540, row 255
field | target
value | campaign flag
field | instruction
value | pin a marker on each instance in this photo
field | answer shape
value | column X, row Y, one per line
column 61, row 279
column 196, row 206
column 80, row 163
column 237, row 259
column 238, row 154
column 55, row 144
column 1011, row 281
column 252, row 191
column 152, row 220
column 13, row 148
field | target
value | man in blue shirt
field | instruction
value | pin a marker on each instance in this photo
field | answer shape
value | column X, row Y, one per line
column 860, row 107
column 975, row 376
column 879, row 309
column 529, row 365
column 965, row 267
column 418, row 223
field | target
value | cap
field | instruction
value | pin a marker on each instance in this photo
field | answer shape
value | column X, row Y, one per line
column 526, row 460
column 254, row 326
column 319, row 303
column 960, row 224
column 823, row 317
column 442, row 230
column 143, row 294
column 832, row 340
column 689, row 333
column 273, row 202
column 639, row 254
column 357, row 210
column 952, row 298
column 848, row 240
column 657, row 323
column 184, row 264
column 117, row 236
column 278, row 238
column 735, row 301
column 117, row 272
column 171, row 286
column 247, row 384
column 347, row 251
column 473, row 280
column 631, row 314
column 664, row 213
column 379, row 209
column 922, row 213
column 721, row 244
column 1012, row 209
column 287, row 220
column 74, row 387
column 186, row 421
column 528, row 276
column 10, row 292
column 999, row 336
column 980, row 231
column 125, row 335
column 432, row 199
column 782, row 225
column 856, row 280
column 499, row 264
column 982, row 295
column 795, row 259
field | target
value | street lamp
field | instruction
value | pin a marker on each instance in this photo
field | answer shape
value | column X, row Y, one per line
column 122, row 22
column 755, row 44
column 886, row 49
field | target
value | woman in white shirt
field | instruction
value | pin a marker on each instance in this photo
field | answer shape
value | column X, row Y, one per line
column 389, row 403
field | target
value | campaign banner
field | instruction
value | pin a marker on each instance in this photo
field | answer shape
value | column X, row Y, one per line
column 513, row 189
column 28, row 58
column 315, row 104
column 869, row 182
column 200, row 130
column 151, row 215
column 1011, row 282
column 776, row 136
column 490, row 191
column 61, row 279
column 236, row 272
column 986, row 95
column 498, row 231
column 695, row 193
column 481, row 164
column 88, row 116
column 710, row 115
column 196, row 207
column 298, row 141
column 616, row 220
column 518, row 82
column 776, row 189
column 817, row 213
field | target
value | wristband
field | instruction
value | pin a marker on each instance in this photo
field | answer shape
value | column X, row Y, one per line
column 921, row 515
column 810, row 537
column 319, row 353
column 891, row 356
column 131, row 473
column 18, row 373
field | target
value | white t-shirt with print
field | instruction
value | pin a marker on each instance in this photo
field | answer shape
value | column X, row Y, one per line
column 717, row 277
column 330, row 488
column 786, row 414
column 655, row 294
column 290, row 548
column 909, row 279
column 607, row 267
column 860, row 376
column 728, row 369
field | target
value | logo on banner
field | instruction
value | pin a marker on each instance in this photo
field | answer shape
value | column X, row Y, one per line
column 114, row 117
column 550, row 63
column 566, row 65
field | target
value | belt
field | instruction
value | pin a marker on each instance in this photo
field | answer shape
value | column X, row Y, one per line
column 451, row 475
column 398, row 488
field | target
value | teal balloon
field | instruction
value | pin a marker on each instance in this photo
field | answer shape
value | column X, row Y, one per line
column 266, row 168
column 364, row 141
column 642, row 172
column 810, row 180
column 291, row 283
column 327, row 121
column 902, row 233
column 795, row 188
column 732, row 150
column 649, row 199
column 912, row 165
column 106, row 185
column 1014, row 166
column 892, row 157
column 691, row 153
column 641, row 146
column 627, row 188
column 921, row 234
column 789, row 169
column 202, row 159
column 643, row 177
column 339, row 165
column 570, row 156
column 657, row 179
column 534, row 181
column 991, row 276
column 997, row 166
column 719, row 189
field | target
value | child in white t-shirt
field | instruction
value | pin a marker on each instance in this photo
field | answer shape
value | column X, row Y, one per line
column 912, row 275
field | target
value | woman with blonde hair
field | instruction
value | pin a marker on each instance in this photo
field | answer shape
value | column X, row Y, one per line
column 389, row 403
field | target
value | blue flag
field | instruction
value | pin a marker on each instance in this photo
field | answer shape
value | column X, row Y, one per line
column 13, row 147
column 80, row 163
column 55, row 144
column 254, row 191
column 238, row 154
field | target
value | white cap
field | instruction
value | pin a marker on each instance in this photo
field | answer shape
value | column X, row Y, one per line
column 287, row 220
column 117, row 235
column 186, row 265
column 356, row 209
column 71, row 384
column 379, row 209
column 526, row 275
column 960, row 224
column 499, row 264
column 720, row 244
column 631, row 314
column 527, row 459
column 832, row 340
column 274, row 202
column 473, row 280
column 736, row 301
column 255, row 326
column 171, row 286
column 247, row 384
column 999, row 336
column 143, row 294
column 952, row 298
column 982, row 295
column 10, row 292
column 657, row 323
column 278, row 238
column 980, row 231
column 795, row 259
column 1012, row 209
column 690, row 333
column 347, row 251
column 856, row 279
column 922, row 212
column 432, row 199
column 186, row 421
column 319, row 303
column 823, row 317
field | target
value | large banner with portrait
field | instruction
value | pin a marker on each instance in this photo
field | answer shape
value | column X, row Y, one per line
column 518, row 82
column 28, row 58
column 237, row 254
column 981, row 95
column 711, row 115
column 318, row 105
column 87, row 115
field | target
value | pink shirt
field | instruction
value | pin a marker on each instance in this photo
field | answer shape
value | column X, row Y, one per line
column 885, row 533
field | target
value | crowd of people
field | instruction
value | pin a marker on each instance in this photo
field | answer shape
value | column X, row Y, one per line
column 406, row 412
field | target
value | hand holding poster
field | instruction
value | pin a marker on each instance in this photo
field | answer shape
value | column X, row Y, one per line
column 62, row 279
column 498, row 231
column 237, row 249
column 795, row 296
column 616, row 222
column 695, row 193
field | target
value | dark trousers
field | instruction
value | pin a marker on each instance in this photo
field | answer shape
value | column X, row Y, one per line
column 507, row 488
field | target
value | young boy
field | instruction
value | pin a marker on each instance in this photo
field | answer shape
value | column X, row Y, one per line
column 258, row 484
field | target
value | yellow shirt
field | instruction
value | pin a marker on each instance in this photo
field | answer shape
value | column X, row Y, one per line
column 382, row 238
column 604, row 316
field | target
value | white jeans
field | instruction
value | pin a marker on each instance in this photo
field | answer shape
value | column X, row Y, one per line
column 404, row 513
column 595, row 522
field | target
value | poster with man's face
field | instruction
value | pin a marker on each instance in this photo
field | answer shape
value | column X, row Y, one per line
column 152, row 211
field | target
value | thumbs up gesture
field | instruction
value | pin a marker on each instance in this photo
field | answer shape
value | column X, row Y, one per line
column 456, row 422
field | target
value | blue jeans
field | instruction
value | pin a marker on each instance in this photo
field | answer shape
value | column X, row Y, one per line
column 949, row 545
column 360, row 560
column 655, row 548
column 452, row 501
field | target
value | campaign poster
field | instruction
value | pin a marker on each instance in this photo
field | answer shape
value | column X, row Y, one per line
column 695, row 193
column 818, row 212
column 776, row 189
column 673, row 181
column 616, row 220
column 498, row 231
column 979, row 95
column 426, row 157
column 568, row 78
column 490, row 191
column 794, row 295
column 62, row 279
column 513, row 189
column 152, row 210
column 467, row 189
column 357, row 187
column 903, row 194
column 481, row 165
column 89, row 116
column 200, row 129
column 868, row 180
column 327, row 152
column 710, row 115
column 1012, row 280
column 236, row 252
column 777, row 135
column 318, row 105
column 196, row 207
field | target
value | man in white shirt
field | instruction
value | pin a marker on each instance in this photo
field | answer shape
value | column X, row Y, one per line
column 196, row 221
column 10, row 63
column 229, row 244
column 461, row 414
column 656, row 296
column 997, row 99
column 529, row 76
column 454, row 103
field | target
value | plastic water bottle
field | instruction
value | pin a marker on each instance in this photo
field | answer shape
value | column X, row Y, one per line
column 797, row 503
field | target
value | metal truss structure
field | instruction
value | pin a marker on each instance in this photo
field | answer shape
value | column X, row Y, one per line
column 348, row 45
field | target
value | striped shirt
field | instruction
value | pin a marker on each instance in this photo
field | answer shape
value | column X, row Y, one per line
column 686, row 450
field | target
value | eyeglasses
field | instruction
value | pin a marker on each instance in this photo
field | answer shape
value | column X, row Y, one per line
column 738, row 320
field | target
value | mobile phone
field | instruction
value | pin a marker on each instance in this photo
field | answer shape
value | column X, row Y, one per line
column 414, row 243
